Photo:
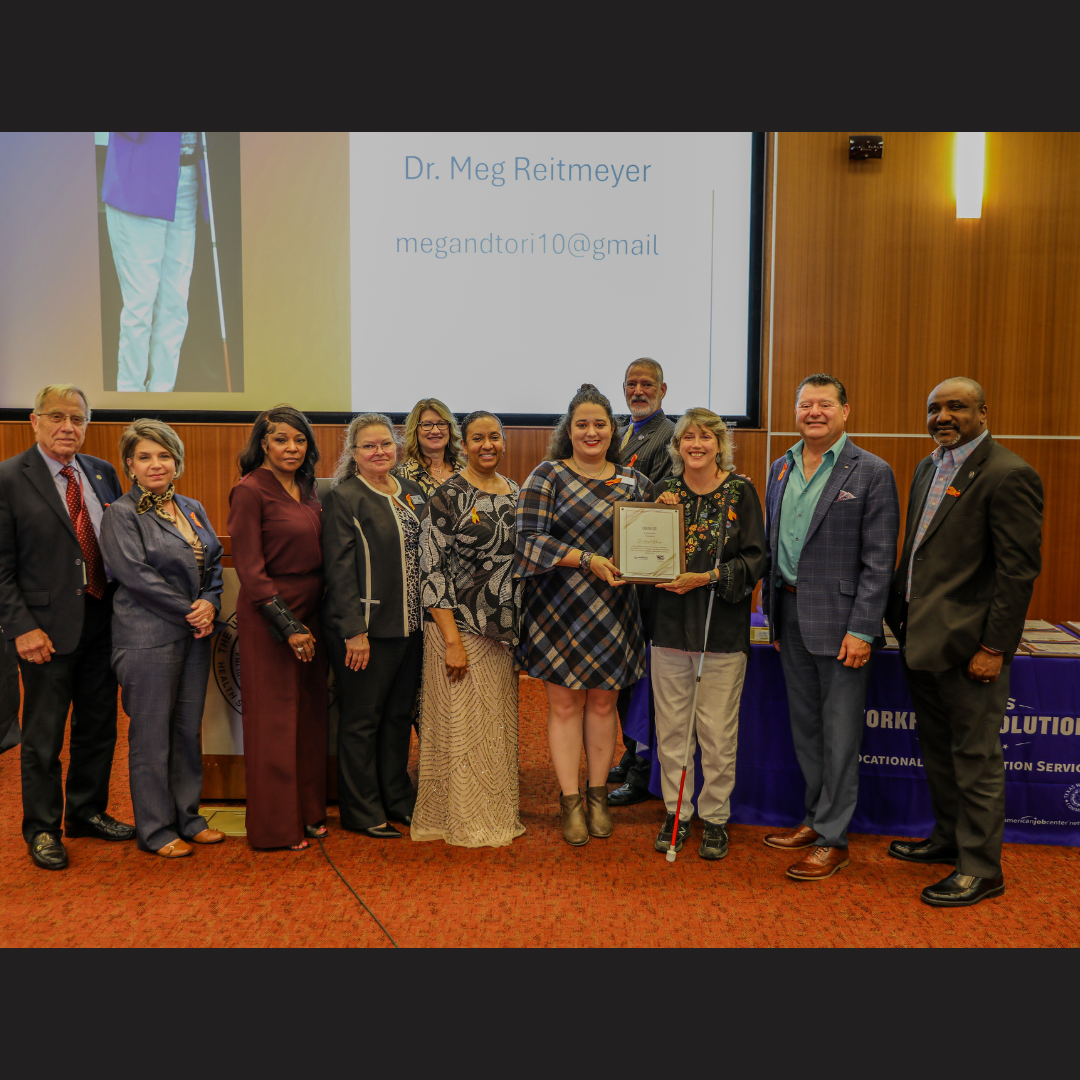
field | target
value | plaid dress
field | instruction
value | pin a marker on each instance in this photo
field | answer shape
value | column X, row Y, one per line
column 576, row 631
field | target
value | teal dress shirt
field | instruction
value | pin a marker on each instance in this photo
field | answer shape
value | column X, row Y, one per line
column 797, row 509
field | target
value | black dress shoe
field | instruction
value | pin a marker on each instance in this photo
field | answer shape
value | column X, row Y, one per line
column 923, row 851
column 618, row 772
column 628, row 795
column 962, row 890
column 48, row 852
column 381, row 832
column 101, row 827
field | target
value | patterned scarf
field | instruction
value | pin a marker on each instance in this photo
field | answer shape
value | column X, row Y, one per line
column 149, row 499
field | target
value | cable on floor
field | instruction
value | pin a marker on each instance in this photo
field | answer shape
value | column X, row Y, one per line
column 326, row 855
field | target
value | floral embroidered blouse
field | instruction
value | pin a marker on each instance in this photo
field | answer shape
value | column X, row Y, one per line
column 728, row 519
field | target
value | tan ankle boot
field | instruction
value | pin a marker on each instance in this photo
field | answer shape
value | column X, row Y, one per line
column 599, row 816
column 574, row 829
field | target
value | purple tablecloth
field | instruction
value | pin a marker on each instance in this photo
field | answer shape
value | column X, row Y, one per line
column 1039, row 736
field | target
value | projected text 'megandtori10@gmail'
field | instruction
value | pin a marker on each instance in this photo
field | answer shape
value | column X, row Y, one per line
column 576, row 245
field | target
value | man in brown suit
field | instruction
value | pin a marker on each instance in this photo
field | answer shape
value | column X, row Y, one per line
column 957, row 604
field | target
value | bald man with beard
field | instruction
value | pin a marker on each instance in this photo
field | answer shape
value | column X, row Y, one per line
column 957, row 605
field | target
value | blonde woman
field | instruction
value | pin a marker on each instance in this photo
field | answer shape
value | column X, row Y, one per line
column 371, row 535
column 724, row 534
column 432, row 446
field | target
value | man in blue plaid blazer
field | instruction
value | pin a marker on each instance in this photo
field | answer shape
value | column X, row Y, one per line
column 833, row 517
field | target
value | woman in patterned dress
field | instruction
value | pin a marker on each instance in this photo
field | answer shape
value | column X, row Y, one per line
column 722, row 516
column 468, row 792
column 432, row 445
column 581, row 626
column 371, row 531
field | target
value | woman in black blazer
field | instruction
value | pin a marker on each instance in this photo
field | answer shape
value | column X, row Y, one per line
column 374, row 631
column 161, row 549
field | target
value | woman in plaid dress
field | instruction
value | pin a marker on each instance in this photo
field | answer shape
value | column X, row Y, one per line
column 581, row 628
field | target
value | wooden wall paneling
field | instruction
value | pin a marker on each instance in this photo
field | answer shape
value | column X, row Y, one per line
column 880, row 284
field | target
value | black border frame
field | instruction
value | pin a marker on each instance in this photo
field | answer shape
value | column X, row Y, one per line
column 752, row 419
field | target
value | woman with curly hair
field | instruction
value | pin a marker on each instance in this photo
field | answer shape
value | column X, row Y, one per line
column 581, row 627
column 432, row 446
column 276, row 527
column 725, row 550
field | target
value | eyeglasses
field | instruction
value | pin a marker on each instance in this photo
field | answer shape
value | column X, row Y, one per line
column 371, row 447
column 58, row 418
column 427, row 425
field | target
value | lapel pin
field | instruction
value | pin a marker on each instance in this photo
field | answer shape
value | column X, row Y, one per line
column 98, row 475
column 970, row 475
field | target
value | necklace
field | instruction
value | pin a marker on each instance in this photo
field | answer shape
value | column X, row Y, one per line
column 591, row 476
column 479, row 481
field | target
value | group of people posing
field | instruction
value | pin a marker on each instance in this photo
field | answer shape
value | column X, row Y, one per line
column 428, row 581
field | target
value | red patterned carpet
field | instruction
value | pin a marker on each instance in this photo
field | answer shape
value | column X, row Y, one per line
column 538, row 892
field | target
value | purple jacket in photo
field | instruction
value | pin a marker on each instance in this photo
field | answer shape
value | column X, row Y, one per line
column 142, row 173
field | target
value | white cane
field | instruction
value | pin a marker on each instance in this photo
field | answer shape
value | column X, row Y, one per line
column 671, row 853
column 217, row 267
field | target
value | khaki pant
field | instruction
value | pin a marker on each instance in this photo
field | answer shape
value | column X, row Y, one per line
column 717, row 731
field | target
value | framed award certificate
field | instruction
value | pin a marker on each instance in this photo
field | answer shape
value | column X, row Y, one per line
column 649, row 541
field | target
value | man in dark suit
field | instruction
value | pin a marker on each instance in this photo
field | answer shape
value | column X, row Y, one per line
column 55, row 614
column 643, row 445
column 957, row 606
column 833, row 517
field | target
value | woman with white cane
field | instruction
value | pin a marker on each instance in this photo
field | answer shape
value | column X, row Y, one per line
column 701, row 633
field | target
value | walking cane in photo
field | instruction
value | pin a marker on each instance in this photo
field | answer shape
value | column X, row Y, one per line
column 690, row 723
column 217, row 266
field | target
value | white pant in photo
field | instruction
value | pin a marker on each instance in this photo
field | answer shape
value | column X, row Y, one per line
column 672, row 673
column 153, row 259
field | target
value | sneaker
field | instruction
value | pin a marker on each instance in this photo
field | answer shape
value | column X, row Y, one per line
column 663, row 840
column 714, row 842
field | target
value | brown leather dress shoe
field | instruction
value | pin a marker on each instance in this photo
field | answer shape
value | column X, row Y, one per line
column 801, row 837
column 176, row 850
column 819, row 863
column 207, row 836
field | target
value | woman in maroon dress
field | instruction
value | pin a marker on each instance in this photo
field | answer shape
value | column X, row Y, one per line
column 276, row 529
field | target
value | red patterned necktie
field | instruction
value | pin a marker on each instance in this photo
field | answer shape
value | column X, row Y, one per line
column 84, row 530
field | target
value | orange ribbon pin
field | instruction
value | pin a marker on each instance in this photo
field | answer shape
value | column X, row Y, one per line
column 475, row 516
column 198, row 523
column 950, row 490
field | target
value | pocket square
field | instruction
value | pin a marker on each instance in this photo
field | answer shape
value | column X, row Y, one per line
column 844, row 496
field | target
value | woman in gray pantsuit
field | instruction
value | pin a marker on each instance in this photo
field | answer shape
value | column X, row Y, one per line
column 167, row 559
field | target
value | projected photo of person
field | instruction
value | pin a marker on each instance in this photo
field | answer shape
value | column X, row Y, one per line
column 170, row 261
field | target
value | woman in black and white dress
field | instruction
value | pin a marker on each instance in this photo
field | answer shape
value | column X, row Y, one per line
column 468, row 780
